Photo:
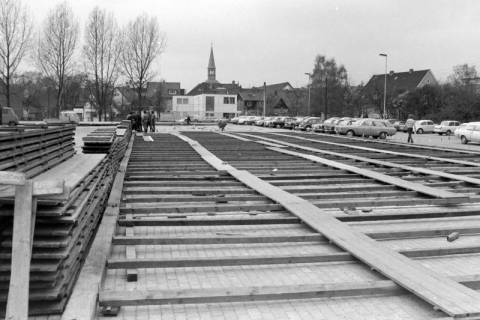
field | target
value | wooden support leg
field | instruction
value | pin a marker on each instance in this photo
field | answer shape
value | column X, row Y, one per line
column 23, row 226
column 131, row 254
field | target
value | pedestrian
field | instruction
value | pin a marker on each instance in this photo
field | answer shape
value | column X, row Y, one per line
column 188, row 120
column 409, row 125
column 152, row 121
column 145, row 120
column 222, row 123
column 138, row 121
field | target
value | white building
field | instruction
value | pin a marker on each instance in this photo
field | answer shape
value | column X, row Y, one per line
column 205, row 106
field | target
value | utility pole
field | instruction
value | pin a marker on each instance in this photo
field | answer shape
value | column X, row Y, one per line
column 385, row 87
column 309, row 86
column 264, row 98
column 326, row 97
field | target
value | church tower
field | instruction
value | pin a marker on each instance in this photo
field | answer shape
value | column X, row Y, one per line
column 211, row 68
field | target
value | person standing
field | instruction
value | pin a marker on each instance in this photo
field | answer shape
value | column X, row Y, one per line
column 188, row 120
column 409, row 125
column 145, row 120
column 152, row 121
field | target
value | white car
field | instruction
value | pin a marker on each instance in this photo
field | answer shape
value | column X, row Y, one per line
column 242, row 119
column 469, row 132
column 423, row 126
column 446, row 127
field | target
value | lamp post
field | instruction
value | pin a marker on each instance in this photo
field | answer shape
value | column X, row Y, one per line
column 385, row 87
column 309, row 86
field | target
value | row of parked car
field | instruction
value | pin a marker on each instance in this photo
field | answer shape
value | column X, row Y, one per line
column 365, row 127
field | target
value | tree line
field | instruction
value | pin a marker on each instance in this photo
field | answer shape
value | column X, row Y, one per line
column 108, row 53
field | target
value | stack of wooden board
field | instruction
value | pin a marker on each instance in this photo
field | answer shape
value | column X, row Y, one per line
column 63, row 229
column 99, row 141
column 37, row 150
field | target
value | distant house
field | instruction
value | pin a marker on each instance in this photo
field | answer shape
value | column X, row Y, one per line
column 398, row 85
column 209, row 99
column 281, row 97
column 161, row 93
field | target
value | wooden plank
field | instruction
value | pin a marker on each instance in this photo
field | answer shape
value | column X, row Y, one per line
column 420, row 188
column 205, row 222
column 443, row 293
column 402, row 154
column 130, row 252
column 383, row 163
column 23, row 225
column 154, row 240
column 41, row 189
column 83, row 300
column 12, row 178
column 265, row 293
column 238, row 294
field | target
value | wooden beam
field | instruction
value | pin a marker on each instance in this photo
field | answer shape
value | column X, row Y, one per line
column 41, row 189
column 154, row 240
column 443, row 293
column 12, row 178
column 264, row 293
column 22, row 240
column 204, row 222
column 205, row 295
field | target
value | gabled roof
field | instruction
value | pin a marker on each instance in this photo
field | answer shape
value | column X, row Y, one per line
column 276, row 87
column 397, row 81
column 251, row 95
column 215, row 87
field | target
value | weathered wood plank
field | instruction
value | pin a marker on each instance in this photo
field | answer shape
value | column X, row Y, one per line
column 23, row 225
column 12, row 178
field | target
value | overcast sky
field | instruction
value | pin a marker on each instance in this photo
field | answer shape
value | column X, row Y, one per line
column 277, row 40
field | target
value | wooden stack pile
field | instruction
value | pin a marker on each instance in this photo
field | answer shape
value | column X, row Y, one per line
column 37, row 150
column 99, row 141
column 64, row 228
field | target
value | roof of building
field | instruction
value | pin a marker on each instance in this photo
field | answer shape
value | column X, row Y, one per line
column 401, row 81
column 215, row 88
column 276, row 87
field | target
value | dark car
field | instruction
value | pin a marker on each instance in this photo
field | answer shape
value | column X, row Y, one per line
column 290, row 123
column 278, row 122
column 306, row 125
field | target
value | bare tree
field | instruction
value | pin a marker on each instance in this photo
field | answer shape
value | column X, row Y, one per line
column 102, row 52
column 56, row 47
column 143, row 42
column 15, row 31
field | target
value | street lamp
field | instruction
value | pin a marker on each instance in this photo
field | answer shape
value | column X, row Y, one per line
column 385, row 87
column 309, row 86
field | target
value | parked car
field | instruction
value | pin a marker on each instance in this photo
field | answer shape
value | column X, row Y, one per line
column 446, row 127
column 400, row 126
column 306, row 125
column 242, row 119
column 278, row 122
column 69, row 116
column 260, row 121
column 290, row 123
column 318, row 127
column 234, row 120
column 342, row 126
column 250, row 120
column 371, row 127
column 468, row 132
column 329, row 125
column 267, row 121
column 9, row 117
column 423, row 126
column 297, row 121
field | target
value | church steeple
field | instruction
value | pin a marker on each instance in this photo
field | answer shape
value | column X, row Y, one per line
column 211, row 67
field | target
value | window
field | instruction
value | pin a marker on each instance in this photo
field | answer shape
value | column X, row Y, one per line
column 182, row 100
column 179, row 100
column 232, row 100
column 209, row 103
column 228, row 100
column 171, row 91
column 225, row 100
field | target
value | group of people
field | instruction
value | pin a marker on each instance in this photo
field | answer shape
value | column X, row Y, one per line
column 143, row 121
